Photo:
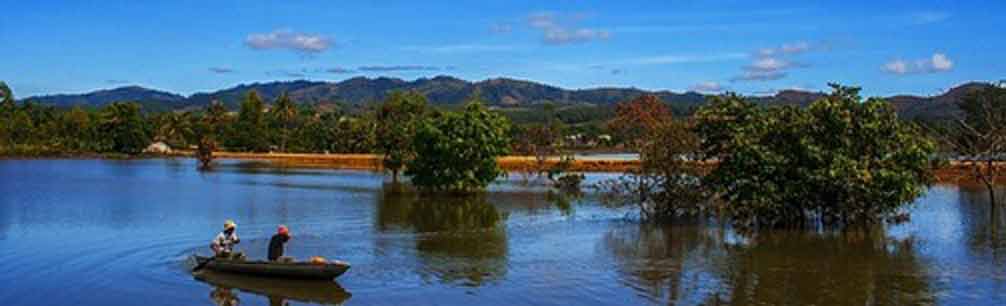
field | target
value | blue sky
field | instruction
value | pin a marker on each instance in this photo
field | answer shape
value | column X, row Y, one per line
column 752, row 47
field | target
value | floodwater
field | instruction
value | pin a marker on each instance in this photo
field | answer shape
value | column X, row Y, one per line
column 93, row 232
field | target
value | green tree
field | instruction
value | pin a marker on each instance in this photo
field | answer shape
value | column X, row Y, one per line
column 397, row 119
column 284, row 117
column 838, row 162
column 174, row 128
column 252, row 129
column 215, row 120
column 77, row 131
column 457, row 151
column 8, row 108
column 123, row 125
column 354, row 135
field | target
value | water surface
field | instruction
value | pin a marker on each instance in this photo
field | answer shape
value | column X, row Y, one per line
column 89, row 232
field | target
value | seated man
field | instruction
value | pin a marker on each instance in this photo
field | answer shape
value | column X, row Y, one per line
column 223, row 244
column 277, row 245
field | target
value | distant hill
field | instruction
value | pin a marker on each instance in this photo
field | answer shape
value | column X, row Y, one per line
column 446, row 90
column 149, row 97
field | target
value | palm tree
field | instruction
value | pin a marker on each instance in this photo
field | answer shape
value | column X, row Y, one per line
column 284, row 115
column 175, row 128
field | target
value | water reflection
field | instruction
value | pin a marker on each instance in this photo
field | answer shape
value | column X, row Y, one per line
column 277, row 292
column 709, row 265
column 985, row 224
column 457, row 239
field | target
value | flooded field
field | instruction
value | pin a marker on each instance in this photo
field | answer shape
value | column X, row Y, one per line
column 94, row 232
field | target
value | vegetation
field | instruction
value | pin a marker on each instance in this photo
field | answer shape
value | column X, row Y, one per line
column 457, row 151
column 839, row 161
column 251, row 126
column 124, row 127
column 397, row 120
column 667, row 184
column 980, row 135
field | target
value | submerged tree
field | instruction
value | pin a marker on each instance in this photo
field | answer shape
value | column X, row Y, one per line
column 840, row 161
column 635, row 119
column 397, row 119
column 667, row 183
column 980, row 137
column 457, row 151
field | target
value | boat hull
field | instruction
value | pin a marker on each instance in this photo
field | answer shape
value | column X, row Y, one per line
column 296, row 270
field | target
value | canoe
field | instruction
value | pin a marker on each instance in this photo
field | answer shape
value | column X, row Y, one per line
column 294, row 270
column 306, row 291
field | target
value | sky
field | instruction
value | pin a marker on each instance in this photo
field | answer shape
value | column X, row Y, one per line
column 919, row 47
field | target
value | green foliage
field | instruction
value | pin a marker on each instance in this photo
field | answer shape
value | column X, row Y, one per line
column 173, row 128
column 840, row 161
column 284, row 118
column 123, row 126
column 251, row 128
column 457, row 151
column 353, row 135
column 397, row 119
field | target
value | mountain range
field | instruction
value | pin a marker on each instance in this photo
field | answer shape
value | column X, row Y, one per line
column 446, row 90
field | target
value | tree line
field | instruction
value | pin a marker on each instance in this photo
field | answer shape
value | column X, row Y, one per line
column 841, row 160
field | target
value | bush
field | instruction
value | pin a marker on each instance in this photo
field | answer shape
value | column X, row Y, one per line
column 840, row 161
column 457, row 151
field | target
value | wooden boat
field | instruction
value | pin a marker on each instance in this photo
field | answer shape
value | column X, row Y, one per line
column 293, row 270
column 308, row 291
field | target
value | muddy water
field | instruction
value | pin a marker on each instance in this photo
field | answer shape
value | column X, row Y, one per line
column 84, row 232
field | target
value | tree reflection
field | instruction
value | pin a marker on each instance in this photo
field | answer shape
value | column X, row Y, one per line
column 985, row 224
column 459, row 239
column 710, row 265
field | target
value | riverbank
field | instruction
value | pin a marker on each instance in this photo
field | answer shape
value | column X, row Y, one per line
column 952, row 172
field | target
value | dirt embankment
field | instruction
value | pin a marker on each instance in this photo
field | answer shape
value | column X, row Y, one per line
column 954, row 172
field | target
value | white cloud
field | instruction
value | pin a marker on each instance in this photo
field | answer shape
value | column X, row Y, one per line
column 286, row 39
column 939, row 62
column 753, row 75
column 462, row 48
column 896, row 67
column 562, row 31
column 787, row 49
column 707, row 87
column 774, row 63
column 769, row 64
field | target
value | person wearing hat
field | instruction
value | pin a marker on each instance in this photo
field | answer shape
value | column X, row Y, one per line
column 223, row 244
column 277, row 244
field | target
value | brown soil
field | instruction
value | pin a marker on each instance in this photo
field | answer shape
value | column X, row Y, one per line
column 954, row 172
